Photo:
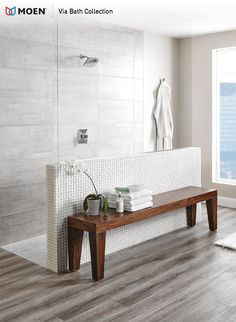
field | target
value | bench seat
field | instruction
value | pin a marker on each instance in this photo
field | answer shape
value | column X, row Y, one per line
column 186, row 197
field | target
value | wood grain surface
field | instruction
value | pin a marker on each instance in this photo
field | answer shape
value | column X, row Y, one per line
column 178, row 277
column 98, row 225
column 163, row 202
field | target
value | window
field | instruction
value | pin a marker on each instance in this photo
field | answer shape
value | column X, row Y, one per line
column 224, row 115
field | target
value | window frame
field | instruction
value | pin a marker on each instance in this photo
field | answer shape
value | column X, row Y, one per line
column 216, row 80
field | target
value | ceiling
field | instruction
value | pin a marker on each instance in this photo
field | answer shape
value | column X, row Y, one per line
column 175, row 18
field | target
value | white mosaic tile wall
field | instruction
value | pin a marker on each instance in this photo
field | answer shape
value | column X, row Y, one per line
column 159, row 171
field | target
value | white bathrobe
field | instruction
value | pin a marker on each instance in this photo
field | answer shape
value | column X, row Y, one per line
column 163, row 117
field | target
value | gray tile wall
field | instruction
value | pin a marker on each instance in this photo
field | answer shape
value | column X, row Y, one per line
column 27, row 118
column 107, row 99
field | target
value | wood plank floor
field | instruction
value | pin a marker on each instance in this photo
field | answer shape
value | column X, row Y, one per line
column 177, row 277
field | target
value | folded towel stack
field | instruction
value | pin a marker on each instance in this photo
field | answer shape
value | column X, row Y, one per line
column 135, row 197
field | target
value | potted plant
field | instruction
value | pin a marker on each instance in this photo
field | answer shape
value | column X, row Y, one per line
column 94, row 203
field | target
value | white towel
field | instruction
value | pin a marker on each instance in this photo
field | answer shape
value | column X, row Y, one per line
column 132, row 195
column 133, row 208
column 132, row 202
column 131, row 188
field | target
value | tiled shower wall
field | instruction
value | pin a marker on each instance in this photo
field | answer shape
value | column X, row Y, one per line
column 159, row 171
column 27, row 120
column 106, row 99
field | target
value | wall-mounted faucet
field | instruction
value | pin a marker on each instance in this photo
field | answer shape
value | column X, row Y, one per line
column 82, row 136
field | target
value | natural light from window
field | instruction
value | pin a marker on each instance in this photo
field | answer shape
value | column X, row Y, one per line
column 224, row 115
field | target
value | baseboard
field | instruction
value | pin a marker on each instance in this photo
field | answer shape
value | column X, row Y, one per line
column 227, row 202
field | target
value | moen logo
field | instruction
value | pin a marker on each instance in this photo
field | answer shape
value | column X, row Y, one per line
column 25, row 11
column 10, row 11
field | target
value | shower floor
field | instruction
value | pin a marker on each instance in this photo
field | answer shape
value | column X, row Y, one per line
column 34, row 249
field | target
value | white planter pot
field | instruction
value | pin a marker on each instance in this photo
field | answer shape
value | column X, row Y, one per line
column 94, row 207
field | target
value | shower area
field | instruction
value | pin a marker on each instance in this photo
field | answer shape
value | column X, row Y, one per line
column 71, row 88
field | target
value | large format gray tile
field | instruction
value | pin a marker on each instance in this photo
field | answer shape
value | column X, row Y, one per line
column 74, row 112
column 26, row 139
column 27, row 116
column 115, row 139
column 138, row 137
column 22, row 198
column 14, row 80
column 78, row 86
column 23, row 230
column 100, row 99
column 25, row 54
column 82, row 151
column 138, row 111
column 138, row 89
column 115, row 88
column 21, row 168
column 32, row 28
column 115, row 111
column 138, row 44
column 138, row 67
column 91, row 37
column 12, row 222
column 26, row 111
column 110, row 64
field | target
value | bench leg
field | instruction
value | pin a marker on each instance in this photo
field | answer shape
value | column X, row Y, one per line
column 75, row 239
column 191, row 215
column 97, row 250
column 212, row 213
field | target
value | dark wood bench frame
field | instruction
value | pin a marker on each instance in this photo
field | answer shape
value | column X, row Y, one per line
column 98, row 225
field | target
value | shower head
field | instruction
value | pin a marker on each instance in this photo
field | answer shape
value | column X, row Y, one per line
column 89, row 61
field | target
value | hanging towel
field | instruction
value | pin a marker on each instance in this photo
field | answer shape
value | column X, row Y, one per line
column 163, row 117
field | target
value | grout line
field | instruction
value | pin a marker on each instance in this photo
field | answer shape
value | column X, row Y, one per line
column 28, row 124
column 143, row 102
column 100, row 75
column 104, row 51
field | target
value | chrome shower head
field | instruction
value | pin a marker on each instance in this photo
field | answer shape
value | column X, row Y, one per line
column 89, row 61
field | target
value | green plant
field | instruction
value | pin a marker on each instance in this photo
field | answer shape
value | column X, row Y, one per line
column 104, row 203
column 79, row 167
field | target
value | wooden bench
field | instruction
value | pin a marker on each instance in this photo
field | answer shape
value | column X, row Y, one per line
column 98, row 225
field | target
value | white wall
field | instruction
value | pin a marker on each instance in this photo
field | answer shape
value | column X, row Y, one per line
column 185, row 93
column 196, row 103
column 160, row 60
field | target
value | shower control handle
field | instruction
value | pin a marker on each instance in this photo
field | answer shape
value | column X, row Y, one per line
column 82, row 136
